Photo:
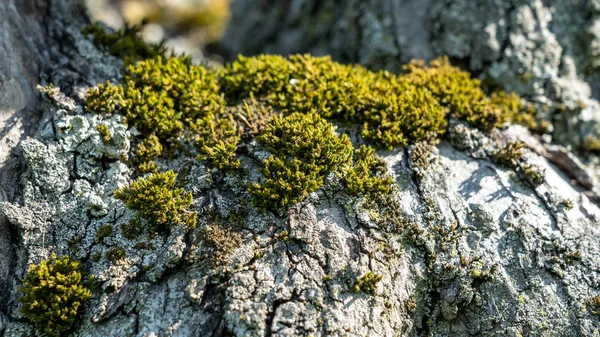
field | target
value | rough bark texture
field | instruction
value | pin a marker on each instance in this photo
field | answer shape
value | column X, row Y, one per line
column 479, row 250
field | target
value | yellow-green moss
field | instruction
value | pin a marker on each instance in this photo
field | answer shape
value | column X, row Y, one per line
column 162, row 99
column 367, row 283
column 125, row 43
column 104, row 132
column 53, row 291
column 304, row 149
column 368, row 174
column 216, row 139
column 159, row 202
column 395, row 110
column 463, row 97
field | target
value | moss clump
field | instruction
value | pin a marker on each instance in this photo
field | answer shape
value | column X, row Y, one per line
column 368, row 175
column 463, row 97
column 103, row 232
column 163, row 99
column 104, row 98
column 591, row 144
column 511, row 156
column 395, row 110
column 144, row 153
column 104, row 132
column 133, row 229
column 53, row 291
column 125, row 43
column 115, row 254
column 367, row 283
column 304, row 149
column 156, row 200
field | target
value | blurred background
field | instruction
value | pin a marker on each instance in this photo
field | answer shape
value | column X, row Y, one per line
column 188, row 26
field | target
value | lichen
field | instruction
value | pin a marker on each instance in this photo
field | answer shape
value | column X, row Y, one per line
column 53, row 292
column 159, row 202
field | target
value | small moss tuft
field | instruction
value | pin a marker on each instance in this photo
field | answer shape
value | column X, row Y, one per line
column 115, row 254
column 104, row 132
column 158, row 201
column 53, row 291
column 510, row 154
column 103, row 232
column 220, row 242
column 367, row 283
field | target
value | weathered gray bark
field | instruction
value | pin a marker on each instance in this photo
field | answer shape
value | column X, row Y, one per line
column 37, row 46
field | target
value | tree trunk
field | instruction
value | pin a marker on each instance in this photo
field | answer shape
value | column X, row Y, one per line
column 476, row 248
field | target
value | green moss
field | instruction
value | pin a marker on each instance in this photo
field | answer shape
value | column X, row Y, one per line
column 368, row 175
column 53, row 291
column 509, row 155
column 463, row 97
column 216, row 140
column 96, row 256
column 395, row 110
column 532, row 174
column 304, row 149
column 594, row 303
column 125, row 43
column 104, row 98
column 591, row 144
column 161, row 99
column 144, row 153
column 104, row 132
column 367, row 283
column 157, row 201
column 115, row 254
column 103, row 232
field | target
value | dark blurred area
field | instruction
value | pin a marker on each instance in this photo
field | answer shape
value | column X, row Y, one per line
column 193, row 27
